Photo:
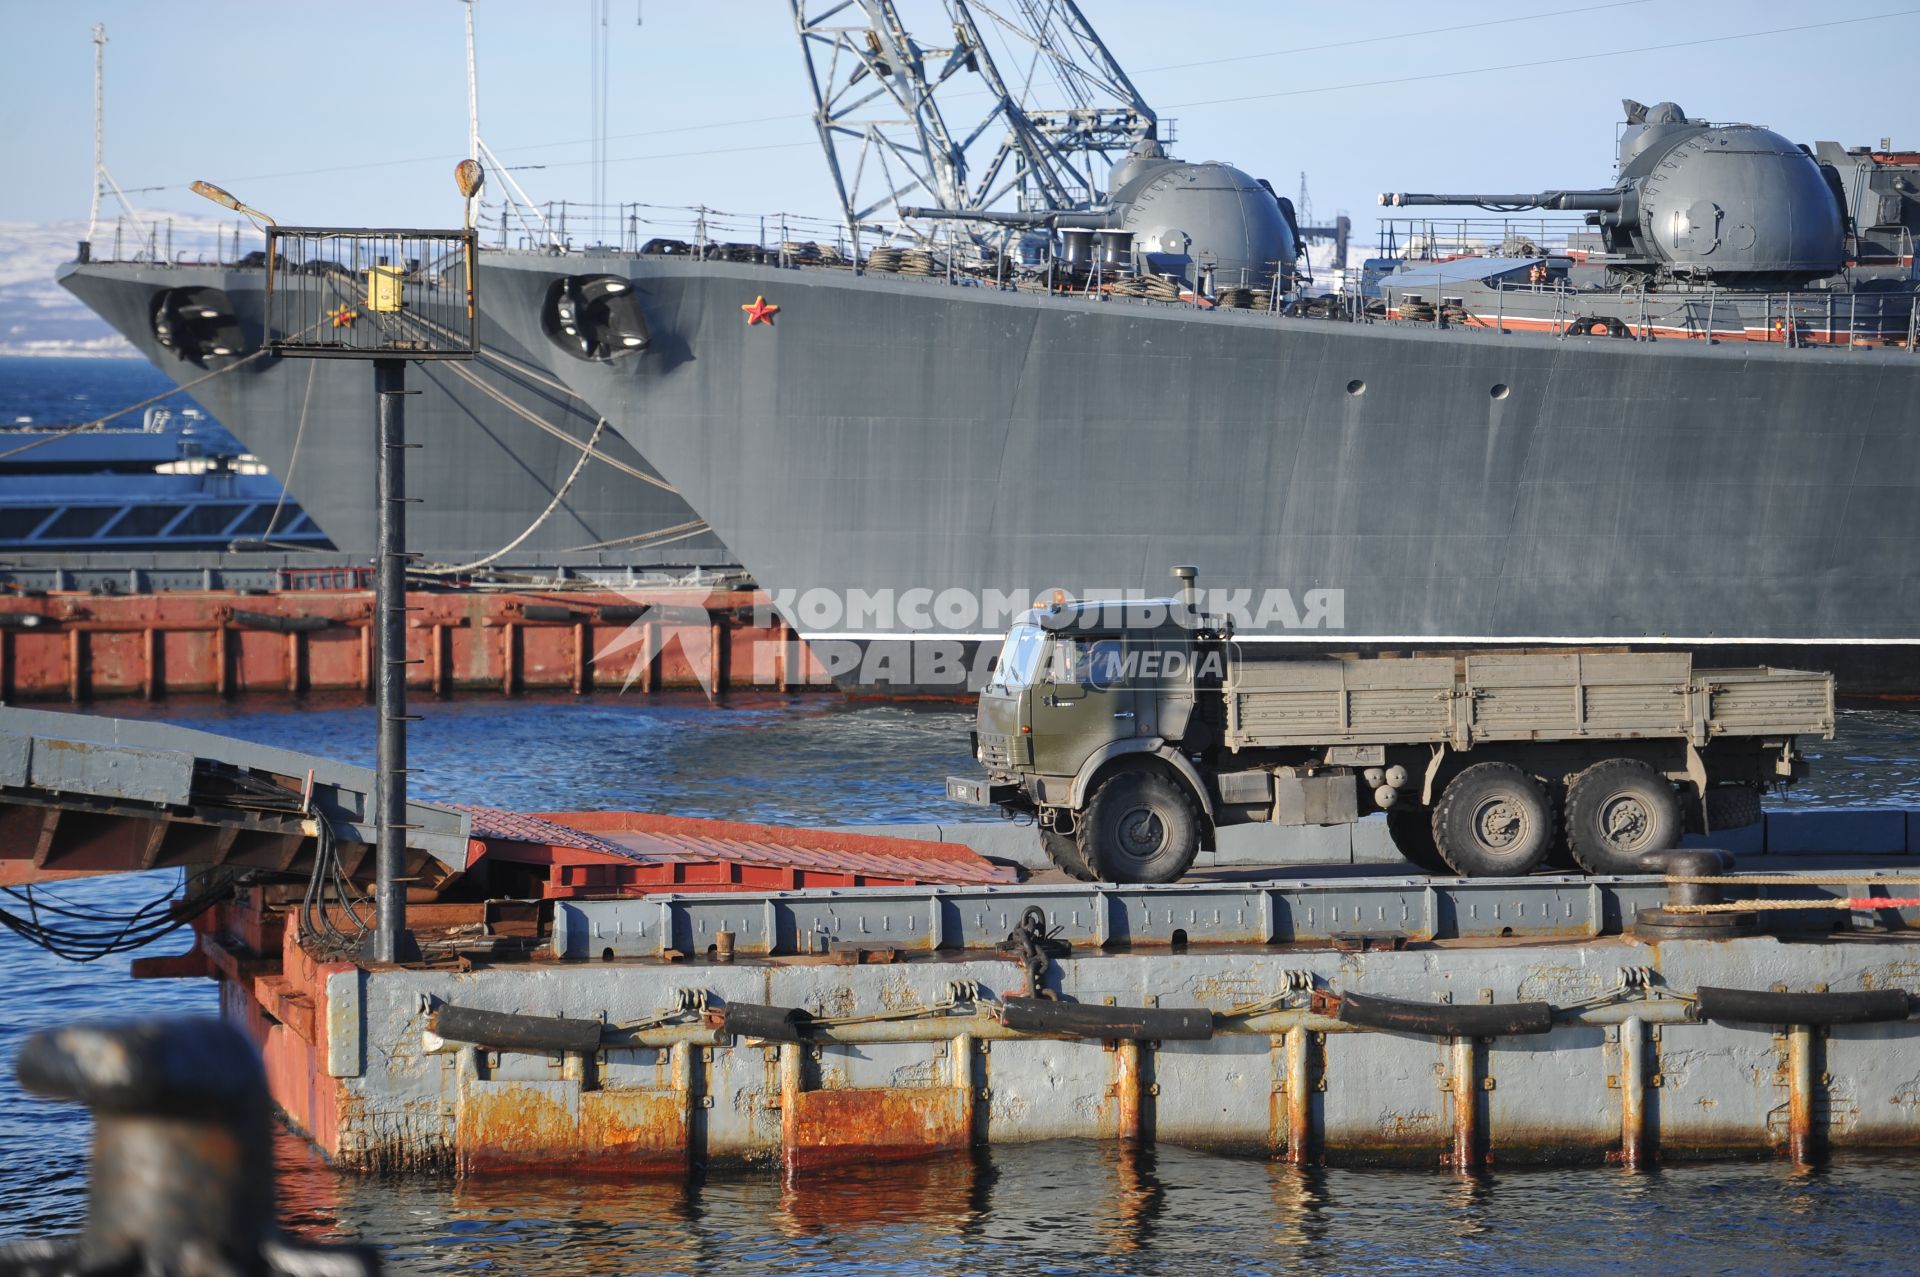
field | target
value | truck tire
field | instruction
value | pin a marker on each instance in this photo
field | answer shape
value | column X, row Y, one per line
column 1139, row 826
column 1618, row 811
column 1732, row 807
column 1493, row 820
column 1064, row 852
column 1411, row 829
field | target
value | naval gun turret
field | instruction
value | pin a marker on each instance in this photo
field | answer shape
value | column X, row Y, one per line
column 1205, row 222
column 1736, row 203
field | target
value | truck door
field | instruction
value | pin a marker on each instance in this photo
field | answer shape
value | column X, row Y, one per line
column 1082, row 701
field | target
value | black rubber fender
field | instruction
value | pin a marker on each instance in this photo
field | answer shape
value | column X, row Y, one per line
column 1763, row 1006
column 1446, row 1019
column 507, row 1031
column 770, row 1024
column 282, row 624
column 1083, row 1020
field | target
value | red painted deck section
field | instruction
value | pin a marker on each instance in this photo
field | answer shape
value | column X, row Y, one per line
column 635, row 853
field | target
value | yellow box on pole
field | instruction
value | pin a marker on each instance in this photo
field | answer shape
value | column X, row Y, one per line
column 383, row 288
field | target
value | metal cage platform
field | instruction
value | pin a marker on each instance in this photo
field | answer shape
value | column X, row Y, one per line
column 357, row 293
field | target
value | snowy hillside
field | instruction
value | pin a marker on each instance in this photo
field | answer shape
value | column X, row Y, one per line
column 38, row 317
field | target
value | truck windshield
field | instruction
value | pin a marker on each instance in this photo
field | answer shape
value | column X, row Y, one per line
column 1020, row 656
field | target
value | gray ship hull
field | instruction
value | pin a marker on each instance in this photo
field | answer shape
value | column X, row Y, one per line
column 1454, row 488
column 480, row 472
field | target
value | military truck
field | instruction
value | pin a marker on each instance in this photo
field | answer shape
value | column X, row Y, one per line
column 1131, row 730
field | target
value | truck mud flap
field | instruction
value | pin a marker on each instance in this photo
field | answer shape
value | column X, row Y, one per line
column 1757, row 1006
column 504, row 1031
column 1445, row 1020
column 1079, row 1020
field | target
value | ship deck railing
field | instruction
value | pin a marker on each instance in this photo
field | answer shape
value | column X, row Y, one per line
column 1807, row 318
column 1440, row 239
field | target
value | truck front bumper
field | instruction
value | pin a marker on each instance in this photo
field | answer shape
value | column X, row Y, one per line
column 981, row 793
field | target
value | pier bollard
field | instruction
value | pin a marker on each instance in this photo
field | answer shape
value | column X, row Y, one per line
column 1665, row 923
column 182, row 1156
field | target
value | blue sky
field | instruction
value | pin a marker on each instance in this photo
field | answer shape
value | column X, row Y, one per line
column 353, row 112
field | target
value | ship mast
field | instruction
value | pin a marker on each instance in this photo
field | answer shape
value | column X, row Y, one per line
column 597, row 77
column 513, row 199
column 103, row 180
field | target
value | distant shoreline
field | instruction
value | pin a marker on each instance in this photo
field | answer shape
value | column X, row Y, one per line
column 110, row 348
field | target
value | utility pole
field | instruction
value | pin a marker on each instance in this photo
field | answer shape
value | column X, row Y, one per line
column 389, row 298
column 393, row 942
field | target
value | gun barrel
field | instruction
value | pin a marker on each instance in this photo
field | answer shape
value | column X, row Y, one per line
column 1564, row 201
column 1092, row 218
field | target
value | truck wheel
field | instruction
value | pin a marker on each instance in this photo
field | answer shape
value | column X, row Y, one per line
column 1064, row 852
column 1617, row 811
column 1732, row 807
column 1140, row 826
column 1411, row 829
column 1493, row 820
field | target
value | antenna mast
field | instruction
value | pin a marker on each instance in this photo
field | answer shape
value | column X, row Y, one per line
column 103, row 180
column 473, row 92
column 597, row 16
column 513, row 198
column 99, row 122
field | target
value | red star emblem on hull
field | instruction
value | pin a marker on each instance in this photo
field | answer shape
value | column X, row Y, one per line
column 758, row 312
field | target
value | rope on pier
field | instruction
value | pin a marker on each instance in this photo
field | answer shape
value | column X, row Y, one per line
column 1794, row 880
column 1857, row 903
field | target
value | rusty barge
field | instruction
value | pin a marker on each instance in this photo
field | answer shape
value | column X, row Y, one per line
column 310, row 630
column 630, row 994
column 1392, row 1020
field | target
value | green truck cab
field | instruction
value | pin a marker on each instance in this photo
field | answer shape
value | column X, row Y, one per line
column 1130, row 731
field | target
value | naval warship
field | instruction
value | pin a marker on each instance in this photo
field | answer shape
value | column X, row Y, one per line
column 1410, row 480
column 504, row 454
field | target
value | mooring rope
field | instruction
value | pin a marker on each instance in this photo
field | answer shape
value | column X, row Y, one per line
column 534, row 418
column 658, row 537
column 1856, row 903
column 97, row 422
column 293, row 462
column 1792, row 880
column 579, row 464
column 521, row 410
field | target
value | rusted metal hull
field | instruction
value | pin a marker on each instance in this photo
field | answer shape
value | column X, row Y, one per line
column 81, row 647
column 912, row 1058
